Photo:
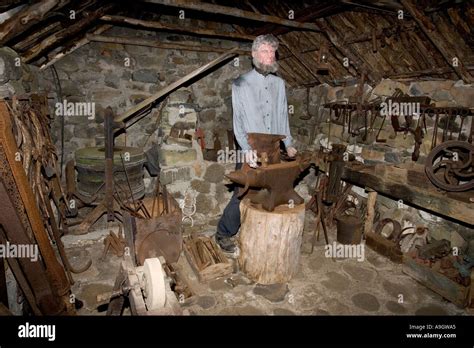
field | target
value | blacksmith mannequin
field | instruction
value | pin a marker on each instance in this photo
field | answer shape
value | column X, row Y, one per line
column 259, row 106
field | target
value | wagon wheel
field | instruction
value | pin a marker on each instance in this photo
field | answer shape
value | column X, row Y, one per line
column 450, row 166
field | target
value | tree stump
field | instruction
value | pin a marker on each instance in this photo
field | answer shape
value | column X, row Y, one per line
column 270, row 242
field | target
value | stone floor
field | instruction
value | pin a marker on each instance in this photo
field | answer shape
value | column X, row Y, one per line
column 322, row 286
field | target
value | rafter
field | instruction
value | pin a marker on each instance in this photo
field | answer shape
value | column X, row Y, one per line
column 233, row 12
column 26, row 18
column 198, row 47
column 59, row 36
column 431, row 32
column 74, row 46
column 166, row 26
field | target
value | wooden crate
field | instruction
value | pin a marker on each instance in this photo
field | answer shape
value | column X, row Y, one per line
column 206, row 258
column 439, row 283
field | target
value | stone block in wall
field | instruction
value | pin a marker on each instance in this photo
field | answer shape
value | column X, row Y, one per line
column 387, row 87
column 146, row 75
column 201, row 186
column 463, row 95
column 207, row 115
column 112, row 81
column 105, row 95
column 172, row 155
column 10, row 88
column 85, row 131
column 214, row 173
column 441, row 95
column 180, row 96
column 179, row 113
column 430, row 87
column 70, row 88
column 171, row 175
column 445, row 103
column 8, row 67
column 332, row 94
column 350, row 93
column 204, row 204
column 69, row 63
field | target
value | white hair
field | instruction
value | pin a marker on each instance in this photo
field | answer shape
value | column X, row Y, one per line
column 268, row 39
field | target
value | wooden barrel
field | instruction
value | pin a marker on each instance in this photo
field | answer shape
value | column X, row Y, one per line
column 270, row 242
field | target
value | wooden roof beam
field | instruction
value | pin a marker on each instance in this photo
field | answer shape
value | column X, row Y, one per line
column 172, row 27
column 59, row 36
column 233, row 12
column 431, row 32
column 26, row 18
column 74, row 46
column 197, row 47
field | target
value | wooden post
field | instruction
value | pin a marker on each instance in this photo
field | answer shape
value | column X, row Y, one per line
column 369, row 218
column 270, row 242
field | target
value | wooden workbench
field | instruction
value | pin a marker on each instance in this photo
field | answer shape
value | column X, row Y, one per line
column 452, row 205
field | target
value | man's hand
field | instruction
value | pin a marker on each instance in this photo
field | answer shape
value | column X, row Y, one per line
column 251, row 158
column 291, row 151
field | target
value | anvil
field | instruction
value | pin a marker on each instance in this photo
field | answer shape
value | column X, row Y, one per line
column 277, row 179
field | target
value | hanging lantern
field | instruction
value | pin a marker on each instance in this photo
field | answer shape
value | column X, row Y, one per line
column 323, row 66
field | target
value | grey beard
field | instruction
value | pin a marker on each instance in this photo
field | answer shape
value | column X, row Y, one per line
column 264, row 68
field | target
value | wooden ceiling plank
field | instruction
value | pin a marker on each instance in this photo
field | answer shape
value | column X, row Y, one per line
column 431, row 32
column 31, row 39
column 26, row 18
column 337, row 41
column 74, row 46
column 72, row 30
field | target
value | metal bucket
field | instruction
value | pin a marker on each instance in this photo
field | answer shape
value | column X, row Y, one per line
column 349, row 229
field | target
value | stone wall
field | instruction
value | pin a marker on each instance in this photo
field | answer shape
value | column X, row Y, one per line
column 16, row 78
column 121, row 76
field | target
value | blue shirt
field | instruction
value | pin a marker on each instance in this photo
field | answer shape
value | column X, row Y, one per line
column 259, row 106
